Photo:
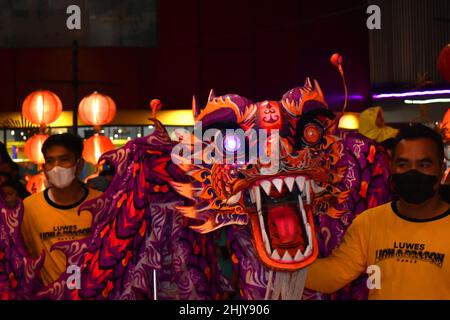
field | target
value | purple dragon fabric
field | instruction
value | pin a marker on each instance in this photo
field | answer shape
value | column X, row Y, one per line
column 137, row 234
column 17, row 270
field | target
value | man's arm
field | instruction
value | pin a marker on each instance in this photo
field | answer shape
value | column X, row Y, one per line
column 344, row 265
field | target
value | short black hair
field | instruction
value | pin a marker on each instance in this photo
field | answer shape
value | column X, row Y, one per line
column 14, row 166
column 67, row 140
column 388, row 144
column 420, row 131
column 9, row 183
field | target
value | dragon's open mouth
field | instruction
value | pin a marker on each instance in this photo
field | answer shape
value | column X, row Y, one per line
column 280, row 210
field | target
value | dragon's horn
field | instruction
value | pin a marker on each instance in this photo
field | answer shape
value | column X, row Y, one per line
column 317, row 88
column 212, row 95
column 308, row 83
column 195, row 107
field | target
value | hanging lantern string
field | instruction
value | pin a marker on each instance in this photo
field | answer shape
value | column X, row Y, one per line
column 97, row 129
column 42, row 128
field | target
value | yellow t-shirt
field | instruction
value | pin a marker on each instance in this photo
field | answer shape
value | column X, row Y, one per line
column 412, row 256
column 46, row 223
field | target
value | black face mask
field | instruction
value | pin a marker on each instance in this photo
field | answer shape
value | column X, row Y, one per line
column 414, row 186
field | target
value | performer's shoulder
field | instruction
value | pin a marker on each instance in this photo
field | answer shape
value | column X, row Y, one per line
column 34, row 200
column 376, row 213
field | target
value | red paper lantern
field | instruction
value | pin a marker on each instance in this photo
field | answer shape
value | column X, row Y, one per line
column 42, row 107
column 95, row 146
column 444, row 63
column 97, row 109
column 33, row 148
column 36, row 183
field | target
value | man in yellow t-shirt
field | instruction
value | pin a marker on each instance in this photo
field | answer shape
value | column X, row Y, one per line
column 403, row 245
column 52, row 216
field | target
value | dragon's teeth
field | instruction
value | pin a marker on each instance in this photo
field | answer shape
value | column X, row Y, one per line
column 264, row 236
column 252, row 195
column 234, row 199
column 289, row 182
column 267, row 246
column 298, row 256
column 275, row 255
column 266, row 241
column 257, row 193
column 287, row 257
column 300, row 183
column 308, row 232
column 308, row 192
column 278, row 183
column 266, row 185
column 261, row 221
column 302, row 210
column 308, row 251
column 309, row 235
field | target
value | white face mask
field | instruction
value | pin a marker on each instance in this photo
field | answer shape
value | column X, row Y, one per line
column 61, row 177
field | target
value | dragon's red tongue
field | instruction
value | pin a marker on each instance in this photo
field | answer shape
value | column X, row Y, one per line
column 284, row 225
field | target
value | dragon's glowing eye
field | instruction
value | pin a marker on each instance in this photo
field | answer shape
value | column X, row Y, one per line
column 312, row 134
column 231, row 143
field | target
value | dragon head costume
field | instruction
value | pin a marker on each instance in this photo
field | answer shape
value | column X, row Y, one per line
column 276, row 197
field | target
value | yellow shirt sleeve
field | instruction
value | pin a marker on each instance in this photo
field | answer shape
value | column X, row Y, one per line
column 344, row 265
